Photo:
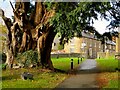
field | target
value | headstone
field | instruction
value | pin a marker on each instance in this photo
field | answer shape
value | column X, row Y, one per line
column 26, row 75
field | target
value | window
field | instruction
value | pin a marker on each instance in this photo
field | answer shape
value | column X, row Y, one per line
column 95, row 44
column 99, row 45
column 72, row 50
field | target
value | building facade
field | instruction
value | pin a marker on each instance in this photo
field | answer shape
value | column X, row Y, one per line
column 88, row 45
column 118, row 42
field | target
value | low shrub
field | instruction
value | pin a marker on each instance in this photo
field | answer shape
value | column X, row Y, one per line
column 2, row 57
column 27, row 58
column 3, row 66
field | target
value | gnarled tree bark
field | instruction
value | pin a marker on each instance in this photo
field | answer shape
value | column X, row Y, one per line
column 23, row 36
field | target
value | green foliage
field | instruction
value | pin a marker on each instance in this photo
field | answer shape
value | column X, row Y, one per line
column 3, row 33
column 3, row 29
column 3, row 66
column 60, row 47
column 2, row 57
column 3, row 38
column 72, row 17
column 27, row 58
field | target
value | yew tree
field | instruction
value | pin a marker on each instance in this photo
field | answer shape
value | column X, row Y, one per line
column 35, row 26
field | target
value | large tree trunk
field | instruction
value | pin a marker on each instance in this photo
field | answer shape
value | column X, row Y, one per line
column 23, row 36
column 44, row 49
column 9, row 55
column 38, row 12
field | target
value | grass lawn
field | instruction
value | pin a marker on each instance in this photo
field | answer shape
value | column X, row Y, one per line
column 42, row 78
column 65, row 63
column 109, row 64
column 108, row 78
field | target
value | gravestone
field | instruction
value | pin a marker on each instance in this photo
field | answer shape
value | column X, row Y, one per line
column 26, row 75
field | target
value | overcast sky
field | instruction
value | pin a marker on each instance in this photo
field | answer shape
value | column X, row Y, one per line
column 99, row 25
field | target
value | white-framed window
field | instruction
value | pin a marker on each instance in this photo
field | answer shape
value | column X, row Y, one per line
column 90, row 42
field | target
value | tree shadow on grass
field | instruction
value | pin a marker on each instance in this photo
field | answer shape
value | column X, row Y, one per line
column 7, row 78
column 96, row 70
column 58, row 70
column 10, row 77
column 70, row 71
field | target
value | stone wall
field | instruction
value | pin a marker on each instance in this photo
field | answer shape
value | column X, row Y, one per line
column 118, row 42
column 66, row 55
column 105, row 54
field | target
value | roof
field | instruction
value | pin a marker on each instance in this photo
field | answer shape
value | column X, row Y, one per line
column 88, row 35
column 92, row 36
column 111, row 42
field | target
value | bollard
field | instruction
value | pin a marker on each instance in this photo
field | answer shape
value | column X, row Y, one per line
column 57, row 56
column 116, row 69
column 78, row 60
column 71, row 63
column 99, row 57
column 81, row 59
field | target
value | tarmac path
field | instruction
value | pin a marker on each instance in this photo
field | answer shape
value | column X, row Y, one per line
column 85, row 77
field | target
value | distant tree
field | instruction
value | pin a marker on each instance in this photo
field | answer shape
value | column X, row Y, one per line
column 114, row 12
column 36, row 26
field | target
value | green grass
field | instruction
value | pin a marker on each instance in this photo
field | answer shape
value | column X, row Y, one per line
column 42, row 78
column 112, row 84
column 65, row 63
column 109, row 64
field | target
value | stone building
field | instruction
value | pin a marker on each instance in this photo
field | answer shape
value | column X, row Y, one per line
column 118, row 42
column 87, row 45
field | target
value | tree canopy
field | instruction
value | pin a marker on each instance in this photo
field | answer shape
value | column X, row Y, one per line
column 75, row 17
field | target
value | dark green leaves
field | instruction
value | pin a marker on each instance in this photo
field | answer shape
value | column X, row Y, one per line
column 73, row 17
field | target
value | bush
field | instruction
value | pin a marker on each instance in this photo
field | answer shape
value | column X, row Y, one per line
column 27, row 58
column 60, row 47
column 2, row 66
column 2, row 57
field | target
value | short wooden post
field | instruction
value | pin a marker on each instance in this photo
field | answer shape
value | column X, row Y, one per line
column 71, row 63
column 99, row 57
column 78, row 60
column 81, row 59
column 57, row 56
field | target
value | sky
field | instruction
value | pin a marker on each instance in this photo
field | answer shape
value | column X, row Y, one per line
column 100, row 25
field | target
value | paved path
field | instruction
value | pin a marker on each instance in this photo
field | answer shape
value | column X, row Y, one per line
column 85, row 78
